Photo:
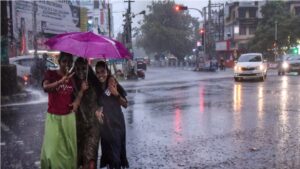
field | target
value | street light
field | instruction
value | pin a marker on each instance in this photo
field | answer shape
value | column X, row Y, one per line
column 180, row 8
column 184, row 8
column 202, row 30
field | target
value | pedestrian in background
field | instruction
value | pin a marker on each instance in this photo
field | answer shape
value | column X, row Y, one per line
column 222, row 63
column 113, row 130
column 38, row 70
column 59, row 150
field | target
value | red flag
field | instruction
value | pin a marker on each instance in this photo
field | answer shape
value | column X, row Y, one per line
column 23, row 44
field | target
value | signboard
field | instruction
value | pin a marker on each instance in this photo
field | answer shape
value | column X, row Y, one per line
column 52, row 17
column 222, row 46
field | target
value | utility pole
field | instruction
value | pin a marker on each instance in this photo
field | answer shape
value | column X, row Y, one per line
column 209, row 39
column 128, row 24
column 35, row 8
column 205, row 29
column 275, row 40
column 4, row 34
column 109, row 19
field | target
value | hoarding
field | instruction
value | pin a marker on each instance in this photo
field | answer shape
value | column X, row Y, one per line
column 52, row 17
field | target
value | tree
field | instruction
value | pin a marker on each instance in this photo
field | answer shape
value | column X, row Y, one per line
column 287, row 25
column 165, row 29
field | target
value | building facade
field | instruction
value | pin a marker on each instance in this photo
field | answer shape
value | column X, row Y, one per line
column 40, row 20
column 100, row 19
column 45, row 19
column 241, row 20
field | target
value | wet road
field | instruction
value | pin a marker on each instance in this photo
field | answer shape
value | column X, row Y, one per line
column 183, row 119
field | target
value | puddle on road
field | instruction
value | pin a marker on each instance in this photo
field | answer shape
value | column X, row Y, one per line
column 35, row 97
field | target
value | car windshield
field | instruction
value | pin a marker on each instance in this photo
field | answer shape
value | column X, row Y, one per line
column 287, row 57
column 250, row 58
column 293, row 58
column 139, row 59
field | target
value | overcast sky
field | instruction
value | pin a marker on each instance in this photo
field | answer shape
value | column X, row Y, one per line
column 120, row 7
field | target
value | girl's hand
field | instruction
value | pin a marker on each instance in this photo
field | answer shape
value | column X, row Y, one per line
column 66, row 78
column 99, row 114
column 84, row 86
column 74, row 106
column 113, row 90
column 112, row 87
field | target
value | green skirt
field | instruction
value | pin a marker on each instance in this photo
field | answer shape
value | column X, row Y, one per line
column 59, row 150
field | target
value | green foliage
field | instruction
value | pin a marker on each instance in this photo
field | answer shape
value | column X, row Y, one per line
column 165, row 29
column 288, row 31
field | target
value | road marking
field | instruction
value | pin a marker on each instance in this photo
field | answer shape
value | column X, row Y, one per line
column 25, row 103
column 29, row 152
column 20, row 142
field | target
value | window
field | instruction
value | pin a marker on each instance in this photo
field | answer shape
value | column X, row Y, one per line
column 252, row 30
column 96, row 4
column 242, row 13
column 242, row 30
column 297, row 11
column 252, row 13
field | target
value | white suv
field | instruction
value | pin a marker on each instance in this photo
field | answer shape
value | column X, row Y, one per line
column 250, row 66
column 24, row 64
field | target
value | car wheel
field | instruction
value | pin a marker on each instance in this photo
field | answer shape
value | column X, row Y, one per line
column 279, row 73
column 236, row 79
column 283, row 73
column 262, row 78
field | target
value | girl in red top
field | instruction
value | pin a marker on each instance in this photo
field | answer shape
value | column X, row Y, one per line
column 59, row 150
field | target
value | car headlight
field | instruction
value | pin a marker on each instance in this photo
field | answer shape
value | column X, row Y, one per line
column 237, row 68
column 261, row 67
column 285, row 65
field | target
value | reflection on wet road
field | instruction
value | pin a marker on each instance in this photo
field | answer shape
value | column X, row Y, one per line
column 215, row 124
column 182, row 119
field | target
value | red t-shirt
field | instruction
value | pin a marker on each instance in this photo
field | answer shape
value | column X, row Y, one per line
column 60, row 98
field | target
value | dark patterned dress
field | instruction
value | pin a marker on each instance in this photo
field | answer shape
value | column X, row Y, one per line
column 88, row 128
column 113, row 133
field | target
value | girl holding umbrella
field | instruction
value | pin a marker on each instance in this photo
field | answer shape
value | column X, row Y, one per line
column 59, row 148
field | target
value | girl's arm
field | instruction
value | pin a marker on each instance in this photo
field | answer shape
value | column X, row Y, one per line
column 50, row 86
column 76, row 102
column 115, row 92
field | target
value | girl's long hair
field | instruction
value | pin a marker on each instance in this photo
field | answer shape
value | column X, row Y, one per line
column 92, row 78
column 103, row 64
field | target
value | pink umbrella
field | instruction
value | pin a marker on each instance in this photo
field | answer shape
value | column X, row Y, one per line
column 88, row 44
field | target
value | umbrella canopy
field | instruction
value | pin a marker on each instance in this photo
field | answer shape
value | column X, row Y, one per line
column 88, row 44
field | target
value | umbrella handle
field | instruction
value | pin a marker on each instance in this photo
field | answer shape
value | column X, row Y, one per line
column 87, row 71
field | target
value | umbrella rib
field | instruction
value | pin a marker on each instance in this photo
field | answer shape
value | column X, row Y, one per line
column 87, row 64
